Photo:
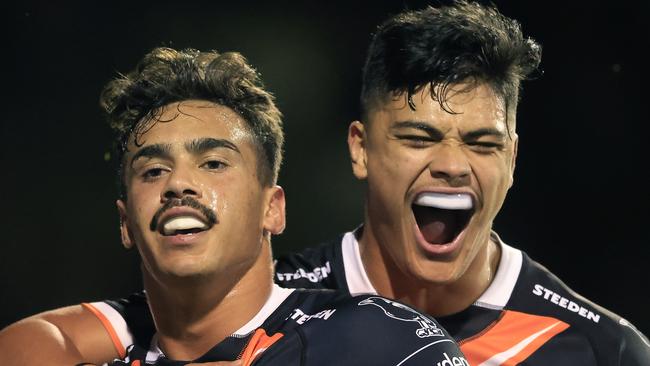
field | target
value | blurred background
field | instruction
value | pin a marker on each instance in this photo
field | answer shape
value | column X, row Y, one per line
column 580, row 200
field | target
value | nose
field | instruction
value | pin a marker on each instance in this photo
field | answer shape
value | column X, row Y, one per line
column 449, row 163
column 181, row 182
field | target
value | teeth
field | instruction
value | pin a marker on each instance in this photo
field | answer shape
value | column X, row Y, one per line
column 182, row 223
column 458, row 201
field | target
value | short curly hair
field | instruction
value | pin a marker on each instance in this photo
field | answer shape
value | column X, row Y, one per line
column 438, row 47
column 133, row 102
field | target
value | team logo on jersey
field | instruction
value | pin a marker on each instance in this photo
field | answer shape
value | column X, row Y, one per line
column 402, row 312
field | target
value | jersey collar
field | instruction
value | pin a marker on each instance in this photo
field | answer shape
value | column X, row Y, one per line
column 496, row 296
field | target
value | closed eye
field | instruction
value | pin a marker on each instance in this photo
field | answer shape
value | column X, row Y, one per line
column 485, row 146
column 416, row 140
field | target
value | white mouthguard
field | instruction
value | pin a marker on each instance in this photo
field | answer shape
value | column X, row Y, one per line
column 183, row 223
column 457, row 201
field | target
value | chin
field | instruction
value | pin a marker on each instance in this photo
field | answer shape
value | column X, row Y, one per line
column 182, row 274
column 438, row 273
column 183, row 269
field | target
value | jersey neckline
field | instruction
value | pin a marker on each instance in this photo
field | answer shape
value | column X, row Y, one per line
column 496, row 296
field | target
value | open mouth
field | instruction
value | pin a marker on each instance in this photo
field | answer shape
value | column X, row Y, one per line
column 442, row 217
column 182, row 225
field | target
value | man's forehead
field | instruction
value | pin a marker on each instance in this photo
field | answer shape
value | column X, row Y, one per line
column 445, row 97
column 200, row 110
column 475, row 104
column 194, row 146
column 188, row 120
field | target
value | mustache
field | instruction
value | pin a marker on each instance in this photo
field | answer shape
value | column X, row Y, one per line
column 187, row 201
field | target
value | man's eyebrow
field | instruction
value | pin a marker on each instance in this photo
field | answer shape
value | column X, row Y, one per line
column 476, row 134
column 423, row 126
column 153, row 151
column 201, row 145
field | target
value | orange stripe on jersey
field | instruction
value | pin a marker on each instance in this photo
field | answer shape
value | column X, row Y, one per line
column 109, row 328
column 135, row 363
column 259, row 343
column 511, row 339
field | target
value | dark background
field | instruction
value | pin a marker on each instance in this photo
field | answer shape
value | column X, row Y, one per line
column 580, row 200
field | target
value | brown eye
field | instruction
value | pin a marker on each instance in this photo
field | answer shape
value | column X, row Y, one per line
column 153, row 173
column 214, row 165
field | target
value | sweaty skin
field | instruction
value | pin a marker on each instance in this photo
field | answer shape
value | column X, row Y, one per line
column 64, row 336
column 401, row 153
column 204, row 285
column 202, row 288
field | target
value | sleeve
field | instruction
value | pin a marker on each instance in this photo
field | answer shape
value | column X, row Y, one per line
column 113, row 323
column 134, row 310
column 126, row 320
column 635, row 347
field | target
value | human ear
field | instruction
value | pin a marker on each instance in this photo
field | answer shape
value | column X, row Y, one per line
column 357, row 146
column 125, row 233
column 274, row 213
column 513, row 162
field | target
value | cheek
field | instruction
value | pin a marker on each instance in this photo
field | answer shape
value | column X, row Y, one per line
column 144, row 198
column 395, row 166
column 139, row 212
column 238, row 204
column 494, row 177
column 219, row 194
column 214, row 200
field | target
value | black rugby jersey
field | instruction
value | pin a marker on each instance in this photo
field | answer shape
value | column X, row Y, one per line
column 527, row 316
column 323, row 327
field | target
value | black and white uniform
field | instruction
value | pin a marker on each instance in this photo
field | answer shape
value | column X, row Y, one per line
column 527, row 316
column 324, row 327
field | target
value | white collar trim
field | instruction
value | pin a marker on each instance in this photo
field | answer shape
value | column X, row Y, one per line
column 355, row 273
column 497, row 295
column 278, row 295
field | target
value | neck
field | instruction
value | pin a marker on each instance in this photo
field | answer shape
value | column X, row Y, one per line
column 435, row 298
column 193, row 315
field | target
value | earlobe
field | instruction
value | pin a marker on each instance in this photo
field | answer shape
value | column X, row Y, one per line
column 125, row 233
column 274, row 216
column 357, row 147
column 513, row 163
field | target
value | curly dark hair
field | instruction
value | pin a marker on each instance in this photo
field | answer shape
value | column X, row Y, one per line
column 438, row 47
column 133, row 102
